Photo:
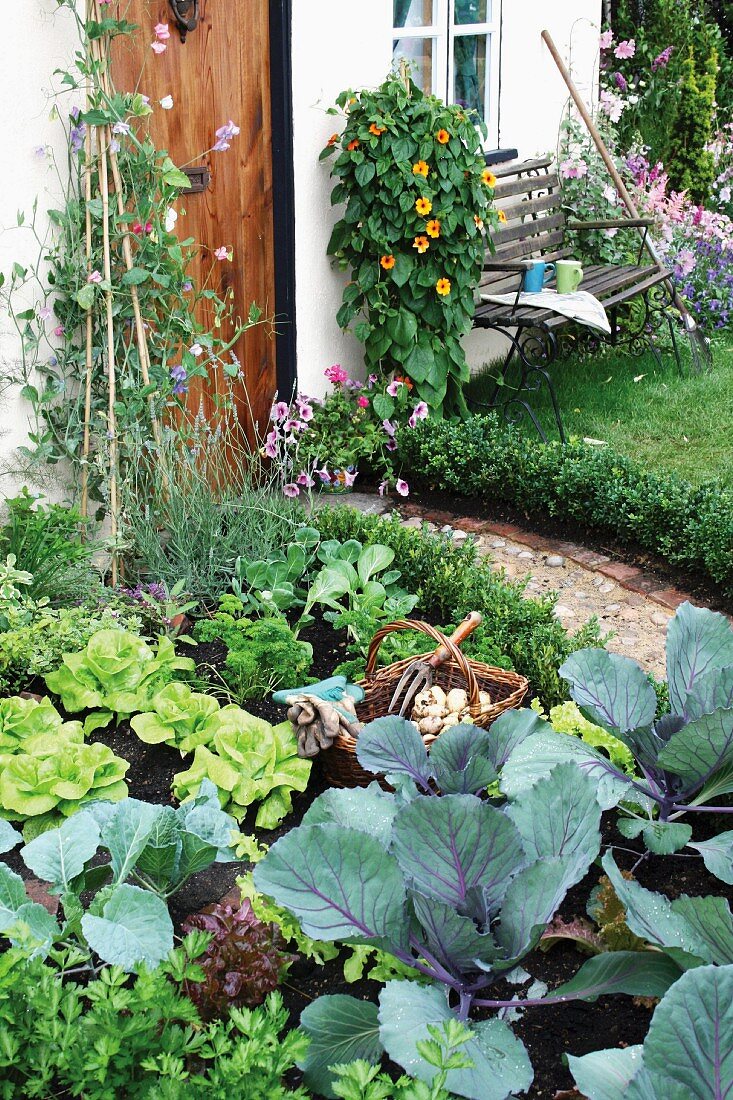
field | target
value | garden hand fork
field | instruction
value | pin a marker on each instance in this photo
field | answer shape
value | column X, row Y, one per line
column 419, row 674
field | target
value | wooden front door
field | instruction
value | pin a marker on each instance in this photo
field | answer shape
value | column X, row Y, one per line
column 220, row 72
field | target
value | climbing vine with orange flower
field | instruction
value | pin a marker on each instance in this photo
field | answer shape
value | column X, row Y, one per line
column 418, row 214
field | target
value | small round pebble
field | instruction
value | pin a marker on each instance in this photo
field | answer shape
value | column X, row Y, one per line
column 512, row 551
column 526, row 555
column 554, row 561
column 659, row 618
column 563, row 612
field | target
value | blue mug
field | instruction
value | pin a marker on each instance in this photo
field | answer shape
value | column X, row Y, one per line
column 536, row 277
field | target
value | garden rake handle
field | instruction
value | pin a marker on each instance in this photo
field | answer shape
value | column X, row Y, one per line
column 607, row 160
column 464, row 628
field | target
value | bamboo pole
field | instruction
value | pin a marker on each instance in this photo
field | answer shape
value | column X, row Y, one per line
column 104, row 137
column 89, row 329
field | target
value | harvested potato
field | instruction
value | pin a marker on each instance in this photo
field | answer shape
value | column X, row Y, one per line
column 456, row 700
column 432, row 725
column 485, row 698
column 436, row 710
column 438, row 695
column 451, row 719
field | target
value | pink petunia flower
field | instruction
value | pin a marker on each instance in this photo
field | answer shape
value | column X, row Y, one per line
column 383, row 486
column 391, row 444
column 305, row 479
column 291, row 490
column 420, row 412
column 323, row 474
column 371, row 380
column 625, row 49
column 350, row 478
column 279, row 411
column 389, row 428
column 305, row 411
column 402, row 487
column 394, row 388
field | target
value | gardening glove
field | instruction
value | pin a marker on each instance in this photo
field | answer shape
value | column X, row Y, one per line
column 318, row 722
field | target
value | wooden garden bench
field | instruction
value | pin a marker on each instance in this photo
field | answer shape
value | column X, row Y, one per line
column 529, row 194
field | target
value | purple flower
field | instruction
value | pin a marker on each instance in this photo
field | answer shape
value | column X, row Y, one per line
column 187, row 286
column 620, row 81
column 662, row 59
column 323, row 474
column 394, row 387
column 389, row 428
column 178, row 377
column 402, row 487
column 76, row 137
column 224, row 136
column 291, row 489
column 391, row 444
column 371, row 380
column 279, row 411
column 121, row 128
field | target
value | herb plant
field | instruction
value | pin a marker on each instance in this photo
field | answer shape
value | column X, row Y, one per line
column 412, row 174
column 137, row 1038
column 46, row 541
column 483, row 884
column 127, row 922
column 261, row 655
column 684, row 760
column 116, row 673
column 248, row 761
column 243, row 962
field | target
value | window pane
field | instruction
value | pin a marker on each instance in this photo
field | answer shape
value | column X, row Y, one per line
column 470, row 11
column 413, row 13
column 469, row 72
column 419, row 52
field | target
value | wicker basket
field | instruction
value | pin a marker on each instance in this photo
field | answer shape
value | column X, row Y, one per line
column 340, row 764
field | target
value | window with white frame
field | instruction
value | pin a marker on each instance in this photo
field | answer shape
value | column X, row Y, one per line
column 453, row 50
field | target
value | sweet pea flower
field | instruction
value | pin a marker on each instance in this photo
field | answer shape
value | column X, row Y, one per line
column 178, row 377
column 402, row 487
column 187, row 286
column 45, row 313
column 291, row 490
column 171, row 217
column 195, row 350
column 158, row 47
column 394, row 387
column 221, row 253
column 59, row 330
column 224, row 136
column 161, row 32
column 625, row 49
column 166, row 102
column 363, row 402
column 606, row 40
column 94, row 276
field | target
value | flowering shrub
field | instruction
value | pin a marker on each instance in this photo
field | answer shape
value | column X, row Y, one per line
column 412, row 174
column 324, row 440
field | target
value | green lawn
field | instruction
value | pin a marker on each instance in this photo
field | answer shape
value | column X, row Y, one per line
column 671, row 423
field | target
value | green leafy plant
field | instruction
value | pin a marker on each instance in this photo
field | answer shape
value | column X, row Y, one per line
column 261, row 655
column 411, row 171
column 270, row 585
column 137, row 1038
column 243, row 962
column 116, row 673
column 249, row 761
column 38, row 636
column 180, row 717
column 567, row 718
column 125, row 924
column 52, row 772
column 22, row 718
column 46, row 541
column 676, row 1059
column 483, row 884
column 11, row 597
column 683, row 759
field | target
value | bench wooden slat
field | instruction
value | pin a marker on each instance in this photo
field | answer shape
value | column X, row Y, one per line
column 525, row 207
column 529, row 185
column 531, row 246
column 533, row 227
column 515, row 167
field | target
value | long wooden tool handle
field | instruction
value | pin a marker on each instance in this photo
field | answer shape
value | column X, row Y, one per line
column 464, row 628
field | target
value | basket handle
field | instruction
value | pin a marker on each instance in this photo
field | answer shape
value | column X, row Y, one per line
column 447, row 648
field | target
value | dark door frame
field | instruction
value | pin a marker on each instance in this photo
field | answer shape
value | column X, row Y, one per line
column 283, row 193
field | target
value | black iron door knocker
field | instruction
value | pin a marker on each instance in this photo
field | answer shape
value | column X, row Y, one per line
column 186, row 15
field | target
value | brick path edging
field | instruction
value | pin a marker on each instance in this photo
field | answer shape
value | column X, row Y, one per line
column 631, row 577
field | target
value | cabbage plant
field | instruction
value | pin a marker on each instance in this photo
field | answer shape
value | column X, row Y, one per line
column 450, row 884
column 687, row 1053
column 116, row 673
column 152, row 851
column 684, row 760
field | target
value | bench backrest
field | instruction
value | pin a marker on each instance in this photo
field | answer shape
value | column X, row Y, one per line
column 529, row 194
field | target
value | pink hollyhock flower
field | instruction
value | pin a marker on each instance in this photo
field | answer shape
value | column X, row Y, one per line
column 394, row 388
column 221, row 253
column 291, row 490
column 572, row 169
column 336, row 374
column 625, row 49
column 349, row 478
column 606, row 40
column 158, row 47
column 94, row 276
column 279, row 411
column 363, row 402
column 402, row 487
column 161, row 32
column 383, row 486
column 305, row 479
column 685, row 261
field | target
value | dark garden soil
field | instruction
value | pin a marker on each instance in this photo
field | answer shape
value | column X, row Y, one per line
column 700, row 586
column 576, row 1028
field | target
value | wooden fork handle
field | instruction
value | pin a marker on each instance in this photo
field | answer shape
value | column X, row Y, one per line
column 464, row 628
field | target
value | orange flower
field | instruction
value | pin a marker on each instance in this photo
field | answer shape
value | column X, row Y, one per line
column 433, row 228
column 422, row 244
column 443, row 137
column 501, row 216
column 353, row 144
column 404, row 379
column 333, row 139
column 488, row 178
column 420, row 169
column 423, row 206
column 376, row 130
column 443, row 286
column 387, row 262
column 479, row 221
